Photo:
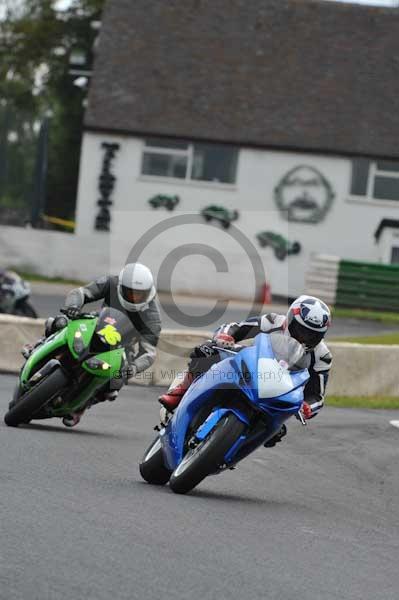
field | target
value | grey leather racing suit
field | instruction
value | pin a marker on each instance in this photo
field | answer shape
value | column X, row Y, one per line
column 320, row 356
column 147, row 323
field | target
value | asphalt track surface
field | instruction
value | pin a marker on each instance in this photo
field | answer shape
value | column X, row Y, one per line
column 49, row 303
column 315, row 518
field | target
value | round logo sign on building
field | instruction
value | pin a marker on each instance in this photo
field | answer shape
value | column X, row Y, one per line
column 304, row 195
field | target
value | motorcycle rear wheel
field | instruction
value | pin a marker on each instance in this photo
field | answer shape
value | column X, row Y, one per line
column 23, row 409
column 208, row 456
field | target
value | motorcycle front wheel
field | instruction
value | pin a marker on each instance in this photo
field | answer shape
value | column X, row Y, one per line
column 152, row 466
column 208, row 456
column 22, row 409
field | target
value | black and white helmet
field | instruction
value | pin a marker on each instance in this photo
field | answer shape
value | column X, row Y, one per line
column 135, row 287
column 308, row 320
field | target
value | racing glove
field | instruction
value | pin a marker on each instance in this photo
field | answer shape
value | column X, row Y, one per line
column 72, row 311
column 128, row 371
column 223, row 340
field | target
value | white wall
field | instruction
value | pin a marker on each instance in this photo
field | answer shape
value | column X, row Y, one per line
column 346, row 231
column 56, row 254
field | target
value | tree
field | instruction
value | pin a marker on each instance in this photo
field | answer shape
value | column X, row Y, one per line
column 36, row 44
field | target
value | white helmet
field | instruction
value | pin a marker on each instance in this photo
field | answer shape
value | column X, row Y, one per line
column 135, row 287
column 308, row 319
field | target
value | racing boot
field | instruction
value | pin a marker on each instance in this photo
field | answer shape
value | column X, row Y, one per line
column 103, row 396
column 27, row 349
column 175, row 393
column 276, row 438
column 73, row 419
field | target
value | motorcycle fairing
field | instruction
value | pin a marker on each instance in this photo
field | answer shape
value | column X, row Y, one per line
column 84, row 328
column 214, row 418
column 52, row 343
column 241, row 373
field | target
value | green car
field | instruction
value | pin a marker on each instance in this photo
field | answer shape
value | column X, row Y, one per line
column 163, row 201
column 281, row 246
column 221, row 214
column 65, row 372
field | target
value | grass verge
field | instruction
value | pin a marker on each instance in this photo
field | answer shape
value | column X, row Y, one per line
column 370, row 315
column 35, row 277
column 387, row 402
column 386, row 339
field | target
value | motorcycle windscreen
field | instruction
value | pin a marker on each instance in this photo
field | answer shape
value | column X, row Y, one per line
column 284, row 369
column 289, row 352
column 113, row 330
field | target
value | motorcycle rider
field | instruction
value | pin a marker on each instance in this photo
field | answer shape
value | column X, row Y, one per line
column 7, row 280
column 14, row 295
column 307, row 320
column 132, row 293
column 5, row 283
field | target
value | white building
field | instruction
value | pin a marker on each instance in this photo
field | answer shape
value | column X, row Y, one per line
column 284, row 114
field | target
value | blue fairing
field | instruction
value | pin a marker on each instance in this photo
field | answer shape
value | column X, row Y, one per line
column 255, row 372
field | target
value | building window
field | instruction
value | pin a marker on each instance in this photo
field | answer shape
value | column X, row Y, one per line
column 375, row 180
column 215, row 163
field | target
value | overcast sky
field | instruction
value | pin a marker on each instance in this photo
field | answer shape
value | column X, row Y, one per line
column 60, row 4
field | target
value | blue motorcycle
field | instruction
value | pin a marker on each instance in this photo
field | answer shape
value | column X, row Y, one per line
column 240, row 403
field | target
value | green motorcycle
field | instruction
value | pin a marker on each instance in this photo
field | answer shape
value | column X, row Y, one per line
column 66, row 371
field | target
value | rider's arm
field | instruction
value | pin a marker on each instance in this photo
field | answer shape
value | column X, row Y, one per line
column 321, row 361
column 240, row 331
column 251, row 327
column 149, row 335
column 96, row 290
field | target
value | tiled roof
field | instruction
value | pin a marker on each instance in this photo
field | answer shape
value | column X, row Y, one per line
column 306, row 74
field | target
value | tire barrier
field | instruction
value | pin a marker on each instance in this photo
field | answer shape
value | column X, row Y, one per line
column 353, row 284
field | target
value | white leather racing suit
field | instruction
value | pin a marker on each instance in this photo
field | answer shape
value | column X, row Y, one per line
column 320, row 356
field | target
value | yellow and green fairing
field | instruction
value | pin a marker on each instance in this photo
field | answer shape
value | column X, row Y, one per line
column 77, row 337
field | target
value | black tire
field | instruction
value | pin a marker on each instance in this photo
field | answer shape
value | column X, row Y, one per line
column 296, row 248
column 208, row 456
column 32, row 401
column 152, row 467
column 16, row 395
column 225, row 224
column 280, row 253
column 26, row 309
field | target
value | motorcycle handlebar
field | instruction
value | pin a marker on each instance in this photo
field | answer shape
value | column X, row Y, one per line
column 81, row 315
column 234, row 350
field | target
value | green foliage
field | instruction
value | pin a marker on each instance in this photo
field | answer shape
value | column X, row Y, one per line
column 29, row 275
column 370, row 315
column 36, row 42
column 381, row 402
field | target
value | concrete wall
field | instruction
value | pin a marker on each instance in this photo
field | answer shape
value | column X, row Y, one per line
column 346, row 231
column 172, row 352
column 358, row 370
